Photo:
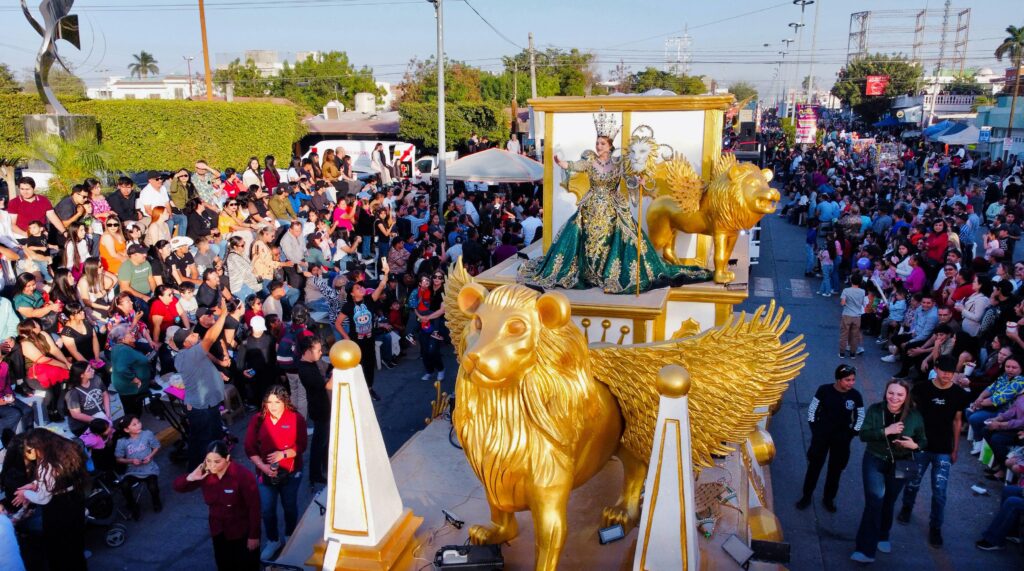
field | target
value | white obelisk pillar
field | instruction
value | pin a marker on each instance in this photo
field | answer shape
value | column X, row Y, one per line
column 668, row 527
column 366, row 525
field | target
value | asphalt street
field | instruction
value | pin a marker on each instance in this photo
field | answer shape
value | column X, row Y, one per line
column 819, row 539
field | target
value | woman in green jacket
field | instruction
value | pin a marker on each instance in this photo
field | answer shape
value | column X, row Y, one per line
column 892, row 431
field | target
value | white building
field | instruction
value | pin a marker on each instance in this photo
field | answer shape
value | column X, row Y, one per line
column 166, row 87
column 385, row 102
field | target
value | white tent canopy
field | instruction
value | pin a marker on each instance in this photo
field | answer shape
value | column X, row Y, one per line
column 968, row 136
column 495, row 166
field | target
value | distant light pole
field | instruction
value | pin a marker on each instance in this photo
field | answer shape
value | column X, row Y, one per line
column 442, row 143
column 206, row 52
column 188, row 63
column 797, row 29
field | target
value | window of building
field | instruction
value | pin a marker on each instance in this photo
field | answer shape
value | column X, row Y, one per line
column 154, row 96
column 179, row 93
column 129, row 96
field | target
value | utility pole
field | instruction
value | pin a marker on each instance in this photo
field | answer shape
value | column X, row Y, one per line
column 442, row 143
column 188, row 62
column 814, row 45
column 533, row 68
column 206, row 53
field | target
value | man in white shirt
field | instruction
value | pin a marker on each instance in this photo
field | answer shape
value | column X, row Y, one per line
column 513, row 145
column 530, row 225
column 154, row 194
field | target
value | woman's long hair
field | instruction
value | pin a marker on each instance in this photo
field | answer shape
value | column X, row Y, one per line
column 61, row 457
column 92, row 273
column 78, row 369
column 23, row 280
column 75, row 258
column 282, row 395
column 27, row 333
column 63, row 289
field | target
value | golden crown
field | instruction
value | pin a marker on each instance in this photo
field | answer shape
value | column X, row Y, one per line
column 605, row 124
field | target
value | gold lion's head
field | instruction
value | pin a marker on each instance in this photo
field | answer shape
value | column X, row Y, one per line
column 741, row 192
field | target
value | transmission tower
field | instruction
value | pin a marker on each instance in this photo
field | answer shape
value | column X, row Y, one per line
column 677, row 54
column 920, row 21
column 858, row 35
column 945, row 32
column 963, row 26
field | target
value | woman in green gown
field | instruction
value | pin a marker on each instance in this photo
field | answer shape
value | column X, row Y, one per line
column 597, row 247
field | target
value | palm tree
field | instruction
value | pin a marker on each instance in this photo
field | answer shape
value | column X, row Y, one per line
column 1013, row 46
column 144, row 65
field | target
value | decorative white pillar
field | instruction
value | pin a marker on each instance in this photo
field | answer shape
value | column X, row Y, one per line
column 366, row 526
column 668, row 527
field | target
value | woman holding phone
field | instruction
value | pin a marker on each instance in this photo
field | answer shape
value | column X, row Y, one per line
column 230, row 492
column 892, row 431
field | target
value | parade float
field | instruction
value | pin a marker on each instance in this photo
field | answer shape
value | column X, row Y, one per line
column 606, row 388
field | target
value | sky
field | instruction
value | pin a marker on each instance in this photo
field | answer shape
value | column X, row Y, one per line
column 726, row 38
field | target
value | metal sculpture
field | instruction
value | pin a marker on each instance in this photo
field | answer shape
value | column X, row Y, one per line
column 58, row 24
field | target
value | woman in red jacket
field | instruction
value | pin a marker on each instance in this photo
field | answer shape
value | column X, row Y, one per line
column 275, row 441
column 230, row 492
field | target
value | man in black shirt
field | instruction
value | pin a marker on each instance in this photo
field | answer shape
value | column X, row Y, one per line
column 122, row 201
column 361, row 310
column 182, row 263
column 835, row 414
column 941, row 404
column 319, row 406
column 208, row 294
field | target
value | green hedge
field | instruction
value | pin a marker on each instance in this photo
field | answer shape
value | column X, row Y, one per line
column 418, row 123
column 166, row 135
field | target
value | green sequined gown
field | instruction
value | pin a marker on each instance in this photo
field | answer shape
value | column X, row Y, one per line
column 597, row 247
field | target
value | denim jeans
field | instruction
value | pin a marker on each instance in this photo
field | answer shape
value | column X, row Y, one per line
column 430, row 349
column 826, row 279
column 1008, row 516
column 244, row 292
column 179, row 221
column 318, row 448
column 812, row 259
column 977, row 421
column 837, row 278
column 941, row 464
column 365, row 246
column 288, row 491
column 881, row 489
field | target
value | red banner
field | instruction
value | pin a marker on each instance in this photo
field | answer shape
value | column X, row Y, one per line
column 876, row 84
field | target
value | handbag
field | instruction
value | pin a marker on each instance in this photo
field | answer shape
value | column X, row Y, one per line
column 906, row 469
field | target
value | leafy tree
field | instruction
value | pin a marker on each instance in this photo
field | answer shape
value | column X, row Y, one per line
column 1012, row 46
column 418, row 122
column 653, row 78
column 246, row 78
column 904, row 76
column 742, row 90
column 982, row 101
column 7, row 82
column 965, row 84
column 314, row 82
column 143, row 65
column 69, row 161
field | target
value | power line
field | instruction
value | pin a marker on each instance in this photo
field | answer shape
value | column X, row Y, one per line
column 491, row 26
column 704, row 25
column 228, row 6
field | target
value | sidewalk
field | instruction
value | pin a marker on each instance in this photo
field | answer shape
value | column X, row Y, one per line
column 822, row 540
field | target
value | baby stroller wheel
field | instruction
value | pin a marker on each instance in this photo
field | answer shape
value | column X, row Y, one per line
column 116, row 535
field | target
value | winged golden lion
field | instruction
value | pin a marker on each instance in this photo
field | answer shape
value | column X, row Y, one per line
column 539, row 413
column 737, row 196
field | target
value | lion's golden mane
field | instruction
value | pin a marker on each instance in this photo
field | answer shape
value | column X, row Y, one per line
column 543, row 404
column 725, row 198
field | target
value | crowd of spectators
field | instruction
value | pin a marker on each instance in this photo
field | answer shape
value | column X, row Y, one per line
column 205, row 287
column 918, row 241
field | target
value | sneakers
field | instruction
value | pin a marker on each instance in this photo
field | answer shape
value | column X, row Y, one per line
column 885, row 547
column 842, row 355
column 374, row 396
column 881, row 341
column 826, row 295
column 830, row 505
column 986, row 546
column 861, row 558
column 935, row 537
column 803, row 503
column 889, row 359
column 440, row 375
column 269, row 550
column 427, row 377
column 860, row 351
column 976, row 448
column 904, row 515
column 411, row 339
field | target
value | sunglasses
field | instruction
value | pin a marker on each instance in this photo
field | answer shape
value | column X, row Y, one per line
column 232, row 204
column 113, row 225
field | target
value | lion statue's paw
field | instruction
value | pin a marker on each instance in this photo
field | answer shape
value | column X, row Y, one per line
column 612, row 515
column 724, row 276
column 489, row 534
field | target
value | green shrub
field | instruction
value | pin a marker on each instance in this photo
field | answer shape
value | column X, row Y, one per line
column 165, row 135
column 418, row 123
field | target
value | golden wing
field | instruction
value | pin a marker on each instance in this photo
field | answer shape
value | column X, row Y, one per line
column 734, row 370
column 455, row 318
column 677, row 178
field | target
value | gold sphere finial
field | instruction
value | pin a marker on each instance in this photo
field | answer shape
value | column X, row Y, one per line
column 624, row 330
column 673, row 381
column 345, row 355
column 606, row 323
column 585, row 322
column 763, row 446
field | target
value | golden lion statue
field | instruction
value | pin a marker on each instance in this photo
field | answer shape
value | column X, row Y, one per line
column 735, row 199
column 539, row 413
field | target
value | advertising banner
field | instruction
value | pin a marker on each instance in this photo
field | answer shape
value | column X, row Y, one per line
column 876, row 84
column 806, row 124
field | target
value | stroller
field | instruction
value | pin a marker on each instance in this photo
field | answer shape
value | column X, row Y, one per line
column 100, row 504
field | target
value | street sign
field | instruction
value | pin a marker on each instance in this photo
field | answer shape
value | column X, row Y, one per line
column 985, row 136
